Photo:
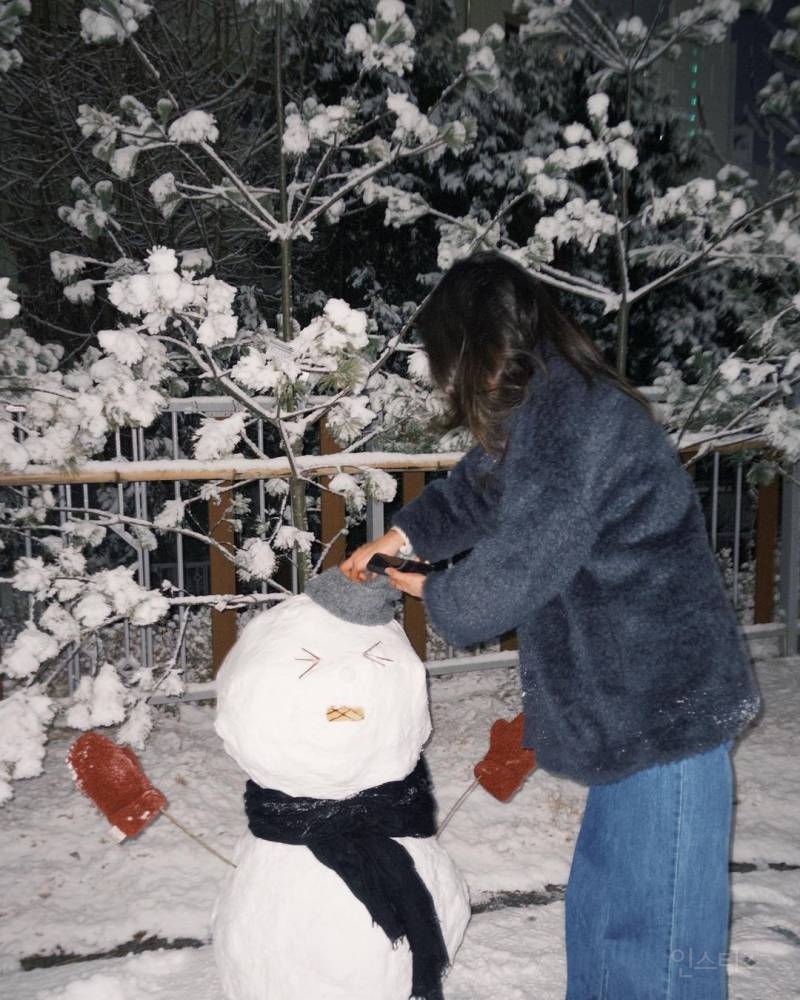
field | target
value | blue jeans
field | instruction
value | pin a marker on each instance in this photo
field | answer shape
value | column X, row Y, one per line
column 648, row 897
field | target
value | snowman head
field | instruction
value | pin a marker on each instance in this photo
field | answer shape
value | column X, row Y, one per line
column 323, row 694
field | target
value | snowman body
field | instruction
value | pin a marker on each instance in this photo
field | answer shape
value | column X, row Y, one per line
column 313, row 705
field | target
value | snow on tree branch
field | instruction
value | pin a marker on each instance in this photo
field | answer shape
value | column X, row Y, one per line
column 385, row 41
column 113, row 20
column 629, row 45
column 11, row 14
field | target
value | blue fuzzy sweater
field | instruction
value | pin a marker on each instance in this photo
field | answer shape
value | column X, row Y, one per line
column 589, row 540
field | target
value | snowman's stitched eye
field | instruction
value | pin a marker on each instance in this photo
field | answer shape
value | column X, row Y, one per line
column 312, row 658
column 376, row 657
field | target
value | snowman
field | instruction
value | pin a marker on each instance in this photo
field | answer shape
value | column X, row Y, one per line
column 341, row 891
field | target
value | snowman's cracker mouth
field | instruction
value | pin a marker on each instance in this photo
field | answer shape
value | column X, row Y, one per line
column 344, row 713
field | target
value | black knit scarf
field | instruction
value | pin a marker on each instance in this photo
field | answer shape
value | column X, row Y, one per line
column 353, row 837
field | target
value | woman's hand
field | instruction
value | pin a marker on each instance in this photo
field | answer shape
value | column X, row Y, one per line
column 355, row 565
column 409, row 583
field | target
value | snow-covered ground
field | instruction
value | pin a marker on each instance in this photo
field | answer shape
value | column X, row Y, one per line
column 65, row 886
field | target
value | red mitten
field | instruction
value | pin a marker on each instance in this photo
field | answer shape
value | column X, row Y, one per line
column 111, row 776
column 507, row 764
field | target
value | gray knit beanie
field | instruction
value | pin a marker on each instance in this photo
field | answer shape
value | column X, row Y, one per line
column 368, row 603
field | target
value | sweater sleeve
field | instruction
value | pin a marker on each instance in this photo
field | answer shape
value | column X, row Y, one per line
column 543, row 536
column 451, row 514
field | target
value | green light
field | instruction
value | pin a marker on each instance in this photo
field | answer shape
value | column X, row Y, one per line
column 695, row 67
column 693, row 117
column 693, row 101
column 693, row 84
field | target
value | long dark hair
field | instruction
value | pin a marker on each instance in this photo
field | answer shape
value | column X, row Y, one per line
column 484, row 328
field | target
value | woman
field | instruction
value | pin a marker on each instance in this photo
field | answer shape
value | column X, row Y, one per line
column 586, row 536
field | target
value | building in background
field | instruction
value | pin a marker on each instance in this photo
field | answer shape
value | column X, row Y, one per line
column 715, row 86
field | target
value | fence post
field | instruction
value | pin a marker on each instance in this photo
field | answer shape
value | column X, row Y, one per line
column 508, row 641
column 767, row 520
column 413, row 609
column 332, row 506
column 375, row 519
column 790, row 557
column 223, row 576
